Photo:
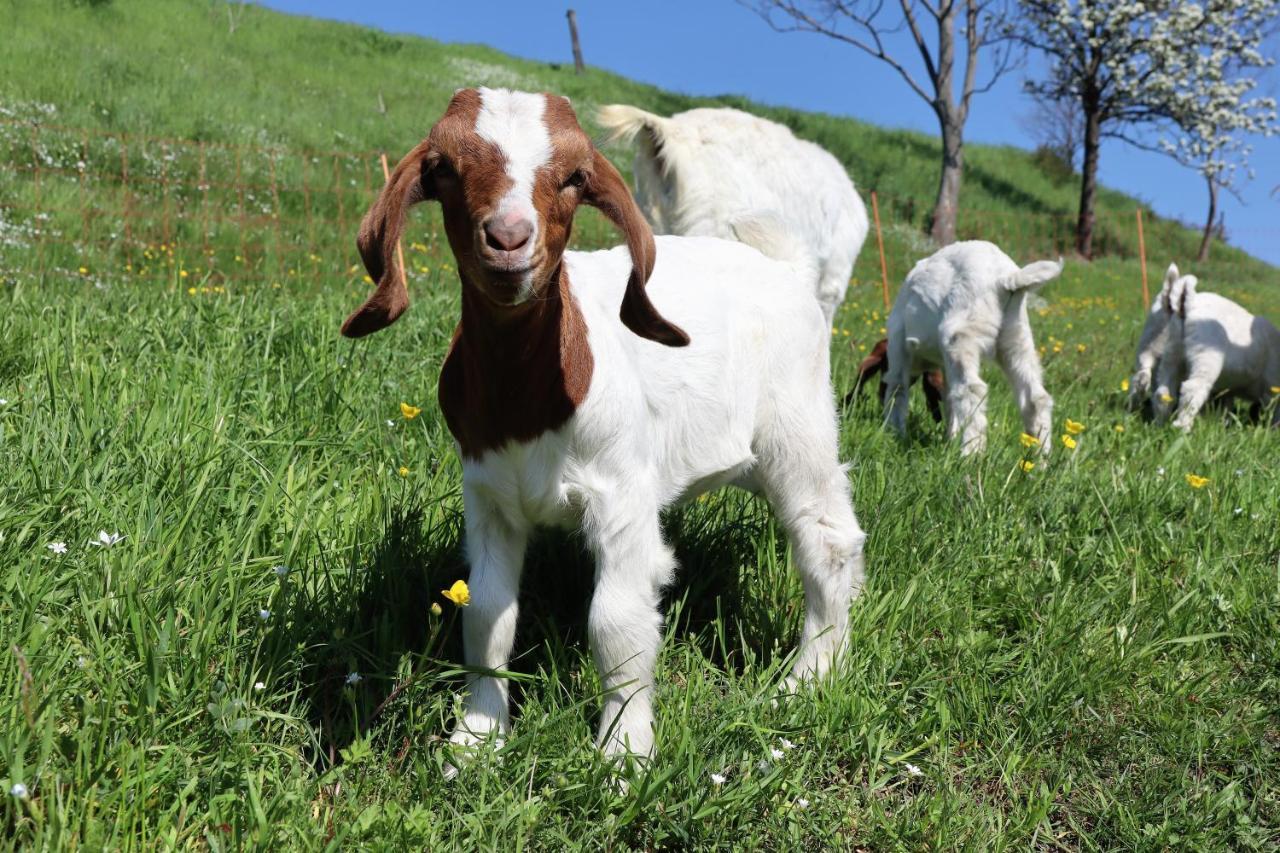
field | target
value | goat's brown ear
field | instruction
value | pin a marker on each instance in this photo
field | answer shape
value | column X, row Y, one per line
column 607, row 191
column 379, row 233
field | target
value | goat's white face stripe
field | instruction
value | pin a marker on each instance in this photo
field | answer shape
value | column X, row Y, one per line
column 513, row 121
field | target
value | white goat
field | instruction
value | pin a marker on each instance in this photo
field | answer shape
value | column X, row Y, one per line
column 568, row 412
column 1153, row 345
column 698, row 172
column 1218, row 346
column 964, row 303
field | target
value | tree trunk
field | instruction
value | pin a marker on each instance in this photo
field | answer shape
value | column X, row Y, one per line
column 1207, row 239
column 578, row 65
column 943, row 228
column 1089, row 183
column 942, row 225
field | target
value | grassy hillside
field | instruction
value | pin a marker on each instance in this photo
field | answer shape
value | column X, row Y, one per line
column 1085, row 655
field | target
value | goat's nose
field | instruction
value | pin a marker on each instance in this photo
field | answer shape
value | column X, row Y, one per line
column 507, row 233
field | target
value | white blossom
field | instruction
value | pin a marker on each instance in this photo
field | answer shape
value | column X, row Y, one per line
column 105, row 539
column 912, row 770
column 57, row 547
column 354, row 678
column 718, row 779
column 18, row 790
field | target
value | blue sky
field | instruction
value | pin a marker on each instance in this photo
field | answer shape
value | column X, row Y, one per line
column 711, row 47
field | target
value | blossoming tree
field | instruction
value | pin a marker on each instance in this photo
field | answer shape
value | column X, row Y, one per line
column 1149, row 66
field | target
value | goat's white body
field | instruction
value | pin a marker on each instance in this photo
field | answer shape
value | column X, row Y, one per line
column 748, row 401
column 963, row 304
column 1221, row 347
column 718, row 165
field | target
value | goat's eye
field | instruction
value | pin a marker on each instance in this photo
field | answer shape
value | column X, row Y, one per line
column 444, row 169
column 577, row 179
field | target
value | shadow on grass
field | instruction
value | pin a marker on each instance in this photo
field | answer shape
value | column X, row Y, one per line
column 371, row 616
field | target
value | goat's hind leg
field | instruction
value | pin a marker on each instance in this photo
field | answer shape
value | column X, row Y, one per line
column 966, row 394
column 897, row 380
column 809, row 492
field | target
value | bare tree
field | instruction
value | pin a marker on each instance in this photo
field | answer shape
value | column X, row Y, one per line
column 1057, row 124
column 578, row 65
column 938, row 29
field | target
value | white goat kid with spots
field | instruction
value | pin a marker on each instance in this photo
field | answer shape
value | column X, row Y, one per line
column 572, row 413
column 965, row 303
column 1220, row 348
column 700, row 171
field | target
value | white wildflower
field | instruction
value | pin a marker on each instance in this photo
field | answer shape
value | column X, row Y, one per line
column 281, row 570
column 776, row 753
column 105, row 539
column 353, row 678
column 912, row 770
column 57, row 547
column 259, row 686
column 718, row 779
column 264, row 614
column 786, row 744
column 18, row 790
column 802, row 803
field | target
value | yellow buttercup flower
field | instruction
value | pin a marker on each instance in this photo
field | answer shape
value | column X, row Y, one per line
column 436, row 609
column 1028, row 440
column 1074, row 427
column 1197, row 482
column 1119, row 427
column 1026, row 465
column 459, row 594
column 1275, row 389
column 1124, row 384
column 1068, row 442
column 404, row 472
column 1166, row 398
column 409, row 412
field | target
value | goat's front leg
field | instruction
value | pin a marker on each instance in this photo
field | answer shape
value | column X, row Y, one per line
column 633, row 564
column 1203, row 372
column 495, row 550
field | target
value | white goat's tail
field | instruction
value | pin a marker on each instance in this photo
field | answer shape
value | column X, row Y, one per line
column 769, row 235
column 1034, row 276
column 623, row 123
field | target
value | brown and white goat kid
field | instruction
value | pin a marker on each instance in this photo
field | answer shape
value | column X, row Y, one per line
column 568, row 412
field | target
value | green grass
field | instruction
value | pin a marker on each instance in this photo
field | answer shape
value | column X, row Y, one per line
column 1085, row 656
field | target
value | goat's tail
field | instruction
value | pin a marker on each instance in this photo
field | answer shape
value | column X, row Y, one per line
column 768, row 234
column 623, row 123
column 1034, row 276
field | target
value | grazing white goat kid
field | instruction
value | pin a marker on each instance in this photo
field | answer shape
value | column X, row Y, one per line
column 1154, row 344
column 1219, row 347
column 569, row 412
column 965, row 303
column 699, row 171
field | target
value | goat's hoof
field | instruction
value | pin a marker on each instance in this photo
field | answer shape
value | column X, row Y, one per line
column 465, row 746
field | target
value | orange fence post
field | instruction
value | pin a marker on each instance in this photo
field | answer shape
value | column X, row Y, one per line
column 404, row 271
column 1142, row 254
column 884, row 271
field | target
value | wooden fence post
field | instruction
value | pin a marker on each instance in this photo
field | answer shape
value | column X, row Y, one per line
column 578, row 65
column 884, row 270
column 404, row 271
column 1142, row 254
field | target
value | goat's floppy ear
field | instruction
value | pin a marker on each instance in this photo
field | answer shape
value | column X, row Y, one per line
column 379, row 233
column 1186, row 290
column 607, row 191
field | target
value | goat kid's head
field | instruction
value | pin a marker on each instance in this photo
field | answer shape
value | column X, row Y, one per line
column 509, row 169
